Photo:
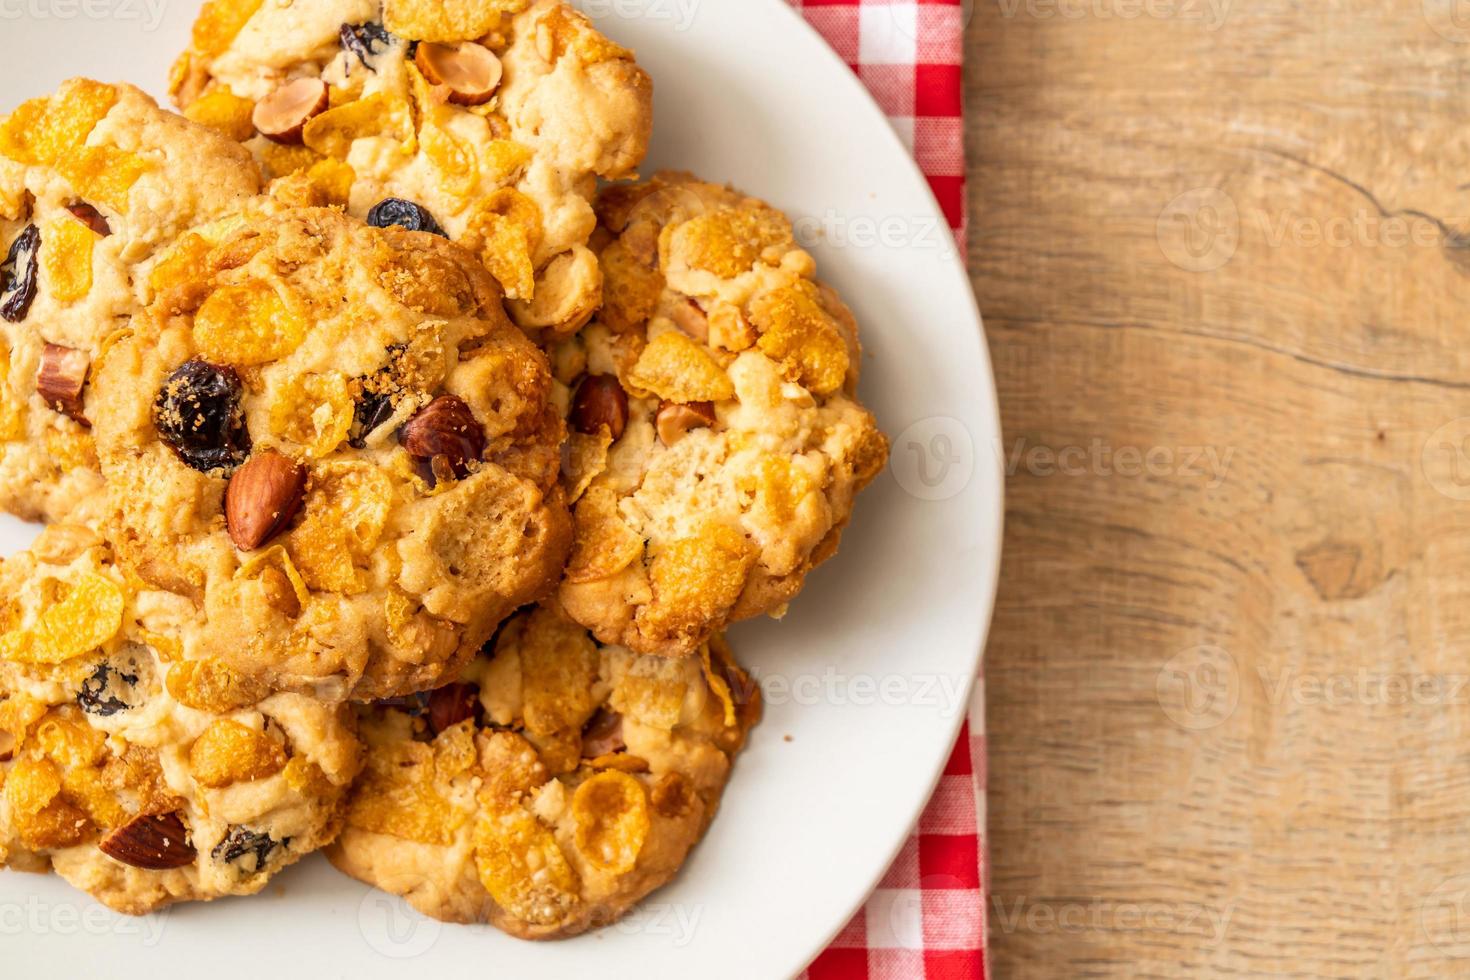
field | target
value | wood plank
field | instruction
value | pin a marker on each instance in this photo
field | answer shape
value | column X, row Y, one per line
column 1267, row 493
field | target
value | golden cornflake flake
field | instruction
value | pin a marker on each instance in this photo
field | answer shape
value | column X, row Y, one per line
column 230, row 752
column 42, row 131
column 506, row 231
column 447, row 20
column 103, row 173
column 66, row 258
column 610, row 811
column 333, row 132
column 677, row 369
column 86, row 615
column 345, row 512
column 799, row 334
column 523, row 868
column 223, row 110
column 246, row 325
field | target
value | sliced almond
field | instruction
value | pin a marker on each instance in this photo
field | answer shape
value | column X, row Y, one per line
column 154, row 843
column 262, row 497
column 281, row 116
column 675, row 421
column 689, row 317
column 470, row 71
column 61, row 378
column 91, row 217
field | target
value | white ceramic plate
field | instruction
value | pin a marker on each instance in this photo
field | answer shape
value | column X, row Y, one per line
column 866, row 679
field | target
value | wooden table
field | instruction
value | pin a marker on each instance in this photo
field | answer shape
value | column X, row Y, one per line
column 1223, row 264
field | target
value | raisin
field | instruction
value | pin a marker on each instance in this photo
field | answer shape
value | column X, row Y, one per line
column 366, row 41
column 197, row 412
column 376, row 398
column 372, row 411
column 18, row 275
column 99, row 694
column 241, row 841
column 404, row 214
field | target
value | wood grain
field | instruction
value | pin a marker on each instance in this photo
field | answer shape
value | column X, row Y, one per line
column 1229, row 717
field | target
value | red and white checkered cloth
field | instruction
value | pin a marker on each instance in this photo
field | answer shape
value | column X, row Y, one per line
column 926, row 920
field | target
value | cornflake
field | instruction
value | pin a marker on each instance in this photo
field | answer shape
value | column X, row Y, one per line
column 87, row 616
column 610, row 811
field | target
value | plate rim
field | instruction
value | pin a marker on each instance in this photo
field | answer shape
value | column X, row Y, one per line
column 989, row 399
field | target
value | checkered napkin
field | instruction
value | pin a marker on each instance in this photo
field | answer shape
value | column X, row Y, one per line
column 926, row 921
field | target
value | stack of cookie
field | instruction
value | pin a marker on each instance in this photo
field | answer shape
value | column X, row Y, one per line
column 399, row 482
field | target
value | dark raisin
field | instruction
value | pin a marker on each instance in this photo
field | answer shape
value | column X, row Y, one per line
column 198, row 414
column 241, row 841
column 100, row 693
column 366, row 41
column 376, row 400
column 404, row 214
column 372, row 411
column 18, row 275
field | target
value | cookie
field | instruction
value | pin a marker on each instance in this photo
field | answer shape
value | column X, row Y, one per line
column 553, row 787
column 717, row 441
column 490, row 120
column 330, row 438
column 94, row 181
column 116, row 768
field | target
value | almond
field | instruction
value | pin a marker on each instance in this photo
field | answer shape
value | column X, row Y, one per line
column 675, row 421
column 452, row 704
column 470, row 71
column 90, row 217
column 154, row 843
column 445, row 435
column 281, row 116
column 61, row 378
column 690, row 318
column 603, row 735
column 600, row 401
column 262, row 497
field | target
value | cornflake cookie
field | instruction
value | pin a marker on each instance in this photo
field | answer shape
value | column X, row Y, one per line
column 718, row 443
column 330, row 438
column 488, row 120
column 94, row 181
column 121, row 768
column 553, row 787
